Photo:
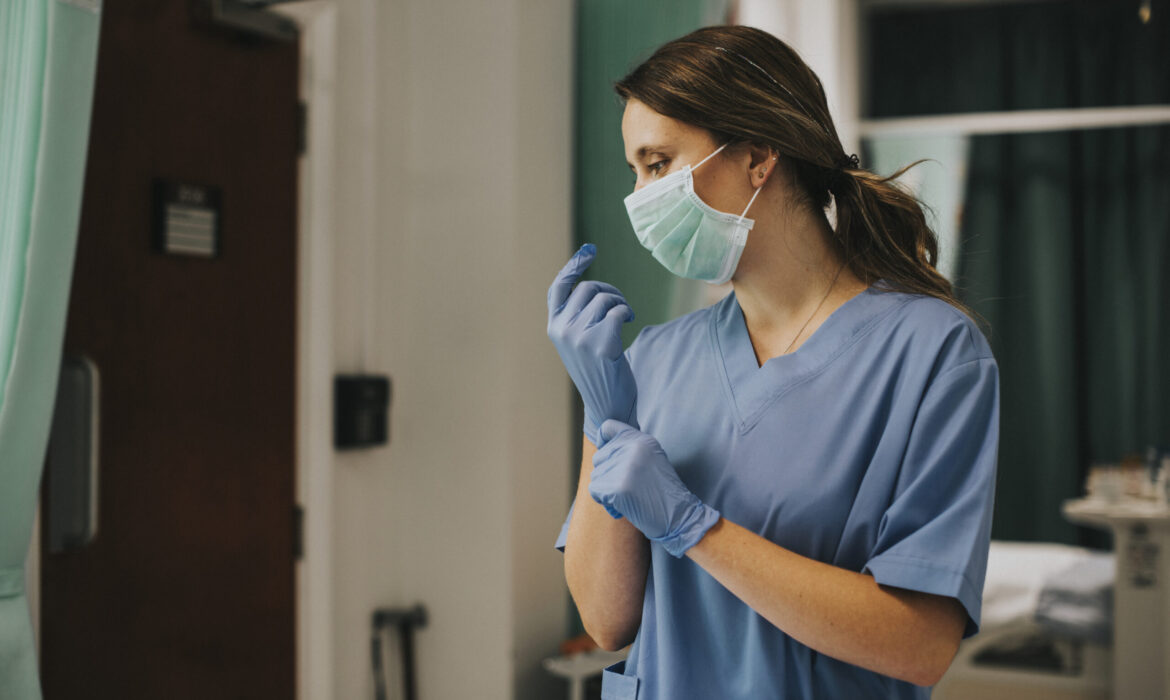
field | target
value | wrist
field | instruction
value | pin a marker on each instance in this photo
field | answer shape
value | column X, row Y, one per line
column 592, row 424
column 693, row 529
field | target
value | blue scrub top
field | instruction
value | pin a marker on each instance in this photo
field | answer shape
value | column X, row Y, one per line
column 872, row 447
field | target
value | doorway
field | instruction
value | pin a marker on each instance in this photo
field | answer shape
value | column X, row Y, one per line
column 187, row 590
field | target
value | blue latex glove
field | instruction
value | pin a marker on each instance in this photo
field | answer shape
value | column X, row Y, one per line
column 632, row 477
column 585, row 324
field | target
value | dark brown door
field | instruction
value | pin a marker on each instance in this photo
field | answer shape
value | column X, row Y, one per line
column 188, row 589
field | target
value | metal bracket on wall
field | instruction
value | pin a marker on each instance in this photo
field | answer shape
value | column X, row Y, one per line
column 406, row 621
column 251, row 16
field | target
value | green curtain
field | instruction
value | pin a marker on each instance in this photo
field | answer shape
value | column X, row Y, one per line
column 1064, row 235
column 613, row 37
column 48, row 51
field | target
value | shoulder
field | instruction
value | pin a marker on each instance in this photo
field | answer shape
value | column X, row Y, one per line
column 934, row 331
column 681, row 332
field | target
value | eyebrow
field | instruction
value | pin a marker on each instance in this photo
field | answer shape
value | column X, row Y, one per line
column 647, row 149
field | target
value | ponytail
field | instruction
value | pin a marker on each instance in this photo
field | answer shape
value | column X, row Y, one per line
column 882, row 233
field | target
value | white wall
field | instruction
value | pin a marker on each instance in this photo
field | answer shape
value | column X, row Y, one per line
column 452, row 215
column 825, row 34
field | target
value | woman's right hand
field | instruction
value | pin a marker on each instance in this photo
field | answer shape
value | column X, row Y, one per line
column 585, row 323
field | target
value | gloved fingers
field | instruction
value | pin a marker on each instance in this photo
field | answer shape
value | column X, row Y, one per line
column 600, row 306
column 611, row 510
column 584, row 293
column 602, row 493
column 610, row 429
column 604, row 499
column 620, row 314
column 562, row 285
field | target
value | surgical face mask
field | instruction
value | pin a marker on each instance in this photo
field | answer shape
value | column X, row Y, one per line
column 683, row 232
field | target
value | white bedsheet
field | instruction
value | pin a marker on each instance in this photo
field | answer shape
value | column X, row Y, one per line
column 1017, row 572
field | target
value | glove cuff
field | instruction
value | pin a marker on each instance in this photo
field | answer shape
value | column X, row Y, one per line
column 592, row 429
column 701, row 519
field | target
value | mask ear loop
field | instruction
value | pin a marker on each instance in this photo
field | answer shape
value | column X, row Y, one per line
column 709, row 157
column 754, row 194
column 753, row 199
column 749, row 204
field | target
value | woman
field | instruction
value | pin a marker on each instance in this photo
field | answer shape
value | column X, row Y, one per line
column 787, row 494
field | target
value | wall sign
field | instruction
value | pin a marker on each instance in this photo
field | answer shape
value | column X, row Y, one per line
column 187, row 219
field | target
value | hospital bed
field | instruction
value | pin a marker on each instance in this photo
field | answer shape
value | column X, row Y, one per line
column 1046, row 628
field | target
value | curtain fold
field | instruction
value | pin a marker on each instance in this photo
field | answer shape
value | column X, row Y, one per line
column 1064, row 234
column 48, row 51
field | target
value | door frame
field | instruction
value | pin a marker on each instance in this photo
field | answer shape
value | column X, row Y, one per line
column 317, row 20
column 315, row 362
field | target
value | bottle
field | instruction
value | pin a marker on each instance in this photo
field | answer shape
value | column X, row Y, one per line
column 1150, row 488
column 1164, row 481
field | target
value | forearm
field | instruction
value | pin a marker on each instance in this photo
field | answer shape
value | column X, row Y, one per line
column 606, row 561
column 843, row 614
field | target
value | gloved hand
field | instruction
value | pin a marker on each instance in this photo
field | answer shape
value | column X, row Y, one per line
column 585, row 325
column 632, row 478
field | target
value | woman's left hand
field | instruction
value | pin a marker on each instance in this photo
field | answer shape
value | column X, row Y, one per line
column 633, row 478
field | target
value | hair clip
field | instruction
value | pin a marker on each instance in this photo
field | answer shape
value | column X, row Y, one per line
column 782, row 86
column 837, row 176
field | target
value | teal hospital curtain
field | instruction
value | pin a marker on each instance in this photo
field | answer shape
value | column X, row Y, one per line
column 1065, row 236
column 613, row 37
column 48, row 50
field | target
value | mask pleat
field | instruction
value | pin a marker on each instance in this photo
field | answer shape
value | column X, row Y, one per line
column 684, row 233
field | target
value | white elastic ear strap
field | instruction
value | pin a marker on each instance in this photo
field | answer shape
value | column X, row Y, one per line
column 749, row 206
column 696, row 167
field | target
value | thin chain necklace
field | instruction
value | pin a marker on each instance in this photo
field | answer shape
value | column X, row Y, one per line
column 814, row 313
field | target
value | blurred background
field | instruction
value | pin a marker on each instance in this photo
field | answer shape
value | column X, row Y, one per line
column 280, row 318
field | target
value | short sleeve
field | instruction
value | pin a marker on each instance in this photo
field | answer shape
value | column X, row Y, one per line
column 935, row 535
column 560, row 545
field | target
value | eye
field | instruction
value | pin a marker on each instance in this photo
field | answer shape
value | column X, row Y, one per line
column 657, row 167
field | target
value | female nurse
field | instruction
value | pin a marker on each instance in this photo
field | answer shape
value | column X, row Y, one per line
column 787, row 494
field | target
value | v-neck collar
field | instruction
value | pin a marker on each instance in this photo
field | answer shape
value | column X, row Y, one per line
column 751, row 388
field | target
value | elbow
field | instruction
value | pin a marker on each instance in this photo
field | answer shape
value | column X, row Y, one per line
column 609, row 637
column 933, row 663
column 611, row 618
column 927, row 677
column 611, row 625
column 925, row 660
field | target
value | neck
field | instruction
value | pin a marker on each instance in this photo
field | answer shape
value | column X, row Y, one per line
column 788, row 270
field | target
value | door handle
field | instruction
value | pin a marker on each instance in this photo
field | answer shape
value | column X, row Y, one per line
column 71, row 469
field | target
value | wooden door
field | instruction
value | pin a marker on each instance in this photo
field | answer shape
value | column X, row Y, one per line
column 187, row 591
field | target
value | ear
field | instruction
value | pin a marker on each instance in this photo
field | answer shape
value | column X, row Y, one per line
column 763, row 162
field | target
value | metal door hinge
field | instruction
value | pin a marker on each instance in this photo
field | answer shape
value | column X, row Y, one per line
column 298, row 532
column 302, row 127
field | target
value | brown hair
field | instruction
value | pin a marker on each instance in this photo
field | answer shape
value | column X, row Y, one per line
column 744, row 85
